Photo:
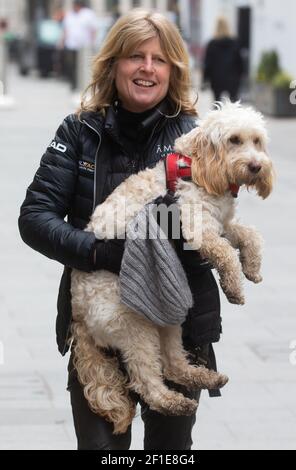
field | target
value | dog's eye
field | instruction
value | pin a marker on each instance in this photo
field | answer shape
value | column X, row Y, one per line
column 257, row 141
column 235, row 140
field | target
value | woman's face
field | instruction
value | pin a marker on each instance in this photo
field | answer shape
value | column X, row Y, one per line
column 142, row 79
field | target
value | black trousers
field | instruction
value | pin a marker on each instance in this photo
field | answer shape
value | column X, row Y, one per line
column 160, row 432
column 232, row 91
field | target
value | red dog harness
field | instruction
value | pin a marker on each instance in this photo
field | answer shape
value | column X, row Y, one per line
column 179, row 166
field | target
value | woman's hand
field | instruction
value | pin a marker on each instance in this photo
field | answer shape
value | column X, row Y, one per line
column 108, row 255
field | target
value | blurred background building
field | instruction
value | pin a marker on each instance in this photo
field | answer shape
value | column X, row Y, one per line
column 260, row 24
column 34, row 31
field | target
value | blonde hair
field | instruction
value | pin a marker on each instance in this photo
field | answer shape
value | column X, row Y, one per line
column 126, row 34
column 222, row 29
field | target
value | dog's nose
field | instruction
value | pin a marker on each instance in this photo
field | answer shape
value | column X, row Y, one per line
column 254, row 167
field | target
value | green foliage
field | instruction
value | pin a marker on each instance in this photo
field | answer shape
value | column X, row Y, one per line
column 268, row 67
column 282, row 80
column 269, row 71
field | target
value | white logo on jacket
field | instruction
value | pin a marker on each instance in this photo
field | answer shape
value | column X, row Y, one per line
column 163, row 150
column 60, row 147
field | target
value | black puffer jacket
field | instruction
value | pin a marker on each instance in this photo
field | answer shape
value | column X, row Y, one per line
column 223, row 64
column 80, row 168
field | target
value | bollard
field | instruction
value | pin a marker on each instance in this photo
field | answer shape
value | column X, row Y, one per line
column 3, row 66
column 6, row 102
column 1, row 353
column 83, row 72
column 84, row 67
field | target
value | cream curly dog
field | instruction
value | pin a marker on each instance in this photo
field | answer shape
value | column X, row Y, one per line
column 228, row 149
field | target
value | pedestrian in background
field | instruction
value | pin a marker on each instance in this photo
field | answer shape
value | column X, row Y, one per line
column 80, row 27
column 223, row 64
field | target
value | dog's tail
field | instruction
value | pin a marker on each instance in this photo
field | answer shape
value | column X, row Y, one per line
column 104, row 385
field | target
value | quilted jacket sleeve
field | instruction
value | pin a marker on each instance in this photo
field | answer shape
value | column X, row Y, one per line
column 48, row 200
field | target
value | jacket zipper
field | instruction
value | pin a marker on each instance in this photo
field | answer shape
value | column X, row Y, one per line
column 97, row 151
column 133, row 166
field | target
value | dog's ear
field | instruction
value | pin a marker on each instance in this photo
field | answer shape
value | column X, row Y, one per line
column 186, row 143
column 208, row 163
column 265, row 184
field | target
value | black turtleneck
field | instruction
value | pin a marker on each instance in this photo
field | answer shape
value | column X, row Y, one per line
column 135, row 130
column 130, row 123
column 137, row 127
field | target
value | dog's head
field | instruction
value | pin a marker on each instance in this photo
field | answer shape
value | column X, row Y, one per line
column 229, row 147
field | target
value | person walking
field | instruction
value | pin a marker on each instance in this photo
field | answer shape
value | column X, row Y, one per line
column 137, row 104
column 80, row 27
column 223, row 63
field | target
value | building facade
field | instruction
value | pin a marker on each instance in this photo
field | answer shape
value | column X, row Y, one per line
column 260, row 24
column 273, row 27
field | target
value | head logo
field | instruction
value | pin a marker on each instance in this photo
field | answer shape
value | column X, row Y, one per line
column 60, row 147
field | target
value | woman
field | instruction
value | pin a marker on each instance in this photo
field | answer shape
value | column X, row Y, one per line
column 136, row 106
column 223, row 64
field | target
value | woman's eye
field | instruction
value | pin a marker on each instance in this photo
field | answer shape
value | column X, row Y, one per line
column 140, row 57
column 235, row 140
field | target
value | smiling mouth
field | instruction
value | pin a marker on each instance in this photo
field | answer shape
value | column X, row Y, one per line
column 144, row 83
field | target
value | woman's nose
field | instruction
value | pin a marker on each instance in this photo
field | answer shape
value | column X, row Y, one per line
column 147, row 65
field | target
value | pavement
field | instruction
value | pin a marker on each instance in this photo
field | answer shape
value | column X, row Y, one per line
column 258, row 406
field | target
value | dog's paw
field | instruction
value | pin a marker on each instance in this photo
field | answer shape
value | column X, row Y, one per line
column 180, row 407
column 218, row 381
column 237, row 299
column 172, row 403
column 233, row 293
column 209, row 379
column 253, row 277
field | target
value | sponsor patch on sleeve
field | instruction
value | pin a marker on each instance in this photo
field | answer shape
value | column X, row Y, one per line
column 58, row 146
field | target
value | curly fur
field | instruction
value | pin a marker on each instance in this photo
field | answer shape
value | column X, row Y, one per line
column 217, row 162
column 229, row 146
column 103, row 396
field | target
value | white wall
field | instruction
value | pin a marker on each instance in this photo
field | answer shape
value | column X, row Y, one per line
column 185, row 18
column 99, row 7
column 274, row 27
column 14, row 11
column 210, row 10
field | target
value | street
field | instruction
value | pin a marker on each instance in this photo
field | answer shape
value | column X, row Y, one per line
column 258, row 405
